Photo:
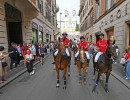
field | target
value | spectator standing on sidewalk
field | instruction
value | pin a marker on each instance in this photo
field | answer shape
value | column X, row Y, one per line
column 13, row 56
column 41, row 53
column 24, row 51
column 29, row 58
column 127, row 63
column 37, row 51
column 33, row 50
column 48, row 47
column 19, row 53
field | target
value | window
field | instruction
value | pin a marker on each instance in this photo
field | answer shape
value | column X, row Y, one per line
column 109, row 4
column 112, row 2
column 98, row 9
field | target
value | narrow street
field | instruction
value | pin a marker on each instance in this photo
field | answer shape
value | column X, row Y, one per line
column 42, row 86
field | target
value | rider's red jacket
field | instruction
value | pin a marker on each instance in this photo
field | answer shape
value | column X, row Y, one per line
column 66, row 41
column 102, row 45
column 84, row 44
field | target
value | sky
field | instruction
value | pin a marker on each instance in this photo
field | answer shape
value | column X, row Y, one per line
column 69, row 5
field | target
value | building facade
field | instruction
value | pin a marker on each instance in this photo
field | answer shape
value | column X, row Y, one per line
column 27, row 21
column 86, row 19
column 112, row 17
column 69, row 24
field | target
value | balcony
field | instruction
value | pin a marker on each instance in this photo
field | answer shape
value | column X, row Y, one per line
column 29, row 7
column 57, row 9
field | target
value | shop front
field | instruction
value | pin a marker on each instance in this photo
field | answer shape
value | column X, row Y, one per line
column 40, row 34
column 35, row 33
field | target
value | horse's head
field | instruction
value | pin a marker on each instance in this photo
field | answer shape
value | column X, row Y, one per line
column 82, row 55
column 62, row 48
column 111, row 50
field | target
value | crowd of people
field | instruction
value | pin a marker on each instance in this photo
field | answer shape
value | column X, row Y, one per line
column 27, row 53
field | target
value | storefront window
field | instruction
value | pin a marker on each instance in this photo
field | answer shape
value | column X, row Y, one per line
column 40, row 37
column 47, row 37
column 34, row 40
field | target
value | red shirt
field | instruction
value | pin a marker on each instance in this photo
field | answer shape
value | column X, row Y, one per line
column 102, row 45
column 127, row 56
column 66, row 41
column 84, row 44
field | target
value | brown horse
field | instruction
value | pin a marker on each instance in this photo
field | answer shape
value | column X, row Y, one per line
column 105, row 65
column 75, row 49
column 82, row 63
column 61, row 63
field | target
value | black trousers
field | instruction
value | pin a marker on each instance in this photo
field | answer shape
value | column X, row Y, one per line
column 29, row 66
column 18, row 58
column 13, row 60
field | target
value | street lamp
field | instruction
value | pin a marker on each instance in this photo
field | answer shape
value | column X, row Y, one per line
column 60, row 22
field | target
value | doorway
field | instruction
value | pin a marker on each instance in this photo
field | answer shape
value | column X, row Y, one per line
column 14, row 24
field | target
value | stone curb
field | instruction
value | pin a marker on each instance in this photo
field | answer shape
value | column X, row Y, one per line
column 121, row 80
column 18, row 74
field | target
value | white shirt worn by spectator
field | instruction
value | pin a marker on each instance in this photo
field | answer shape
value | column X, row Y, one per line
column 33, row 50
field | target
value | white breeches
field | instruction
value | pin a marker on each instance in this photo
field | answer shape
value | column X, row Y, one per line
column 86, row 52
column 67, row 52
column 97, row 56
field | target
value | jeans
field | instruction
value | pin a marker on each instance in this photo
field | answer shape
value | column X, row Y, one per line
column 128, row 69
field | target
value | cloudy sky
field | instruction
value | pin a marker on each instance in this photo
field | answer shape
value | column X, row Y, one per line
column 69, row 5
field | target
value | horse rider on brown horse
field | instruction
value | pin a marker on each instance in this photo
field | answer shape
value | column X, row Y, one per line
column 83, row 44
column 67, row 44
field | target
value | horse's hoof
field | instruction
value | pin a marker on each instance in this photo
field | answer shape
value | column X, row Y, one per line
column 106, row 90
column 69, row 74
column 93, row 77
column 58, row 85
column 64, row 87
column 85, row 83
column 94, row 89
column 101, row 79
column 80, row 82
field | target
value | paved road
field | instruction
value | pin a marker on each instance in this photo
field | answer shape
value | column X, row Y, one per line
column 42, row 86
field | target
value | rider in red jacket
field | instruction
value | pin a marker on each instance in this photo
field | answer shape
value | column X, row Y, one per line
column 67, row 44
column 101, row 46
column 83, row 44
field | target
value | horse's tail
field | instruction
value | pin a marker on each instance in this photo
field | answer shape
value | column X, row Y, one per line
column 59, row 39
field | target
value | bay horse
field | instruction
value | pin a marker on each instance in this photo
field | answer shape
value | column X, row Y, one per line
column 61, row 63
column 75, row 49
column 105, row 65
column 82, row 63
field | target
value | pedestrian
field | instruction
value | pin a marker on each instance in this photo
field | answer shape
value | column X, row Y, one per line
column 33, row 50
column 48, row 47
column 19, row 53
column 13, row 56
column 24, row 52
column 41, row 53
column 29, row 58
column 127, row 63
column 37, row 51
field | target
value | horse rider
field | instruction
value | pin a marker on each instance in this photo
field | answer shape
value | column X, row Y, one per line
column 101, row 46
column 67, row 44
column 84, row 44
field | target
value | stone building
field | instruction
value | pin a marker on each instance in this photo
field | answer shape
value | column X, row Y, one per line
column 112, row 17
column 86, row 19
column 69, row 24
column 27, row 21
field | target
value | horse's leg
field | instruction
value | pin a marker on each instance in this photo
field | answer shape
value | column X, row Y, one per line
column 95, row 86
column 84, row 68
column 80, row 76
column 58, row 76
column 65, row 69
column 107, row 77
column 94, row 67
column 68, row 70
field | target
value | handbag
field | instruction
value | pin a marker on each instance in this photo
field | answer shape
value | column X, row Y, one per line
column 4, row 64
column 122, row 60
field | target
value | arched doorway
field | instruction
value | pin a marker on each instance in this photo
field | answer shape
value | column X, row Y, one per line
column 14, row 24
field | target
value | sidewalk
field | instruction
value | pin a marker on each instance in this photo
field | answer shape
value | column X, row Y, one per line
column 16, row 72
column 118, row 73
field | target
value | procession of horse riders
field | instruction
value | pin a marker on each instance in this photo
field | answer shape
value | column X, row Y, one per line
column 102, row 60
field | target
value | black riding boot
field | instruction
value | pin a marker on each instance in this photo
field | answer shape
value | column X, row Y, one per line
column 88, row 60
column 54, row 59
column 69, row 59
column 75, row 60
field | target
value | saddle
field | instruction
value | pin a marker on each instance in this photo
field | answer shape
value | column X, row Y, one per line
column 100, row 59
